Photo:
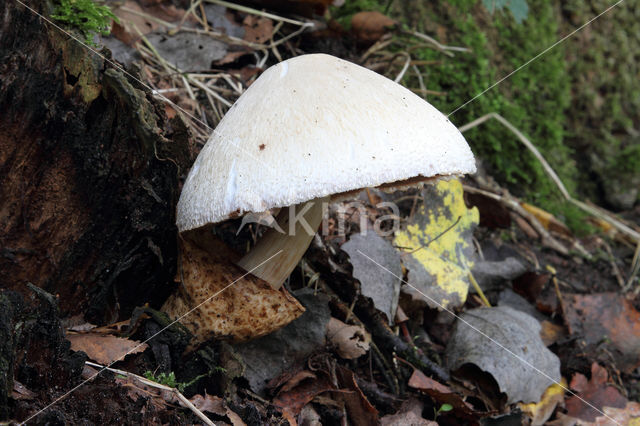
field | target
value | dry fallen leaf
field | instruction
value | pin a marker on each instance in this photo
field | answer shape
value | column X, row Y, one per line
column 369, row 26
column 515, row 347
column 597, row 391
column 410, row 413
column 438, row 251
column 209, row 403
column 628, row 415
column 350, row 341
column 383, row 288
column 540, row 412
column 547, row 220
column 442, row 394
column 257, row 29
column 188, row 51
column 104, row 349
column 359, row 409
column 608, row 319
column 293, row 400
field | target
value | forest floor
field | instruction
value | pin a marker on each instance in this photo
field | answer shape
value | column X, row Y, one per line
column 550, row 334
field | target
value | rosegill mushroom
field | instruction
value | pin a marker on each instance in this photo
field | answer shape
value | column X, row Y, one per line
column 308, row 129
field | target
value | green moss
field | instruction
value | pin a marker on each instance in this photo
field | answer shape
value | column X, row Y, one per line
column 603, row 66
column 533, row 99
column 85, row 17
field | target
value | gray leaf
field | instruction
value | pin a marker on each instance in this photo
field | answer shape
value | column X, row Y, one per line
column 519, row 335
column 188, row 51
column 375, row 282
column 269, row 356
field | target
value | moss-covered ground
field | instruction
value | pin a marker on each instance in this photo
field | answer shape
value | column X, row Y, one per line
column 577, row 103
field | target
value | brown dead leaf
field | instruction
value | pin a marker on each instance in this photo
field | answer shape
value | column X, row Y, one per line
column 105, row 349
column 551, row 332
column 410, row 413
column 295, row 398
column 442, row 394
column 596, row 391
column 350, row 341
column 359, row 409
column 606, row 316
column 297, row 379
column 209, row 403
column 369, row 26
column 235, row 418
column 629, row 415
column 257, row 29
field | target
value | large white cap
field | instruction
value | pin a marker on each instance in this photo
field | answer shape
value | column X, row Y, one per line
column 312, row 126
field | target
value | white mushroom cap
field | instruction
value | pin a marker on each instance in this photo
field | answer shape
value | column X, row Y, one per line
column 312, row 126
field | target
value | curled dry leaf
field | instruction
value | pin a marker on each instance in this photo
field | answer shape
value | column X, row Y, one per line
column 506, row 344
column 547, row 220
column 104, row 349
column 359, row 409
column 540, row 412
column 292, row 399
column 349, row 341
column 232, row 304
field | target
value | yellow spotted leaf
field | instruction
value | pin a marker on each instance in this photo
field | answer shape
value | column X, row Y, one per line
column 437, row 247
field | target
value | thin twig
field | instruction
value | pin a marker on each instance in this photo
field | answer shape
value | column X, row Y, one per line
column 257, row 12
column 514, row 204
column 442, row 47
column 188, row 404
column 594, row 211
column 405, row 67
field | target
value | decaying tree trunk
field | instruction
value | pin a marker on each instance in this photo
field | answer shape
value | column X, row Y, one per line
column 88, row 176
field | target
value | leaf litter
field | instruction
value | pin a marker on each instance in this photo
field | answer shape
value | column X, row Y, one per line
column 434, row 252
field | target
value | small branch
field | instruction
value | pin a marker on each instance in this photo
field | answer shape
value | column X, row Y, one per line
column 257, row 12
column 592, row 210
column 188, row 404
column 442, row 47
column 514, row 204
column 405, row 67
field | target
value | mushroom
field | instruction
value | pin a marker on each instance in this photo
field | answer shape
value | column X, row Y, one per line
column 311, row 128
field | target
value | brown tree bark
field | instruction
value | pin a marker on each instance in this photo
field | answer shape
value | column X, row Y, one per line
column 88, row 174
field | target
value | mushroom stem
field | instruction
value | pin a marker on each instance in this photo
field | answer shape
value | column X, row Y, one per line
column 299, row 223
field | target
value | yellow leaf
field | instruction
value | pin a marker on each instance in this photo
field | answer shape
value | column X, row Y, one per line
column 541, row 411
column 437, row 246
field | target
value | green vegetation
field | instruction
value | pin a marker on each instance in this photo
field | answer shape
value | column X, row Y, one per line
column 603, row 65
column 554, row 100
column 443, row 409
column 166, row 379
column 85, row 17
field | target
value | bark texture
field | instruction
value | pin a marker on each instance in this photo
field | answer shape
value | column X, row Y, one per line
column 88, row 171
